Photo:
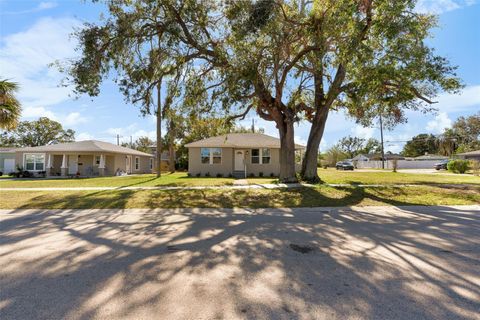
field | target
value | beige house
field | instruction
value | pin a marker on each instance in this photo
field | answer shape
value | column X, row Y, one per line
column 236, row 154
column 84, row 158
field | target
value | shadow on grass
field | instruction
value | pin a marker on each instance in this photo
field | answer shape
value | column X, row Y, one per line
column 181, row 263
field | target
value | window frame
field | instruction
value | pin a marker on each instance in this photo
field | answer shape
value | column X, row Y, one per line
column 137, row 163
column 151, row 163
column 34, row 161
column 260, row 156
column 269, row 156
column 211, row 156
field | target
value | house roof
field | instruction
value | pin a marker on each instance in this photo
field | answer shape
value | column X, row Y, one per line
column 84, row 146
column 388, row 156
column 240, row 140
column 8, row 149
column 431, row 157
column 470, row 153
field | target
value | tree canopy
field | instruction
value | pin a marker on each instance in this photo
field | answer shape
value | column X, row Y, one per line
column 38, row 133
column 10, row 108
column 286, row 60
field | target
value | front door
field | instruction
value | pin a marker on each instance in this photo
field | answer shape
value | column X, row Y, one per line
column 72, row 164
column 239, row 160
column 128, row 164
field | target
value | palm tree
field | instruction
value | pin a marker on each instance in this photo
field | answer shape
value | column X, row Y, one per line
column 10, row 108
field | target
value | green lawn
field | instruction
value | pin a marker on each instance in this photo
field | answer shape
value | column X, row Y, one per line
column 253, row 198
column 181, row 179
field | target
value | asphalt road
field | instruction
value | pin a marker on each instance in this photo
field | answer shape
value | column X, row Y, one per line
column 358, row 263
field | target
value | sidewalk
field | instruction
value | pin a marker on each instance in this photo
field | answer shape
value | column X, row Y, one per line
column 239, row 186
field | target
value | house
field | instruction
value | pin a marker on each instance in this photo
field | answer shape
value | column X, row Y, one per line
column 428, row 156
column 472, row 155
column 360, row 157
column 164, row 158
column 236, row 154
column 7, row 160
column 85, row 158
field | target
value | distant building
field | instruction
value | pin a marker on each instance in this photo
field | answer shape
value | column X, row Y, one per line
column 472, row 155
column 427, row 156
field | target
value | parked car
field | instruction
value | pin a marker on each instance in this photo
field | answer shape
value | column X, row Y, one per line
column 344, row 165
column 442, row 165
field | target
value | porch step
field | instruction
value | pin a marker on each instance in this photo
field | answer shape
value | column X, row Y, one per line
column 239, row 174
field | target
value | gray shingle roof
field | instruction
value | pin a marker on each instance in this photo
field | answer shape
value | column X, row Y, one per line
column 470, row 153
column 84, row 146
column 239, row 140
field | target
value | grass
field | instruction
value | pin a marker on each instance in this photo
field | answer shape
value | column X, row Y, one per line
column 252, row 198
column 181, row 179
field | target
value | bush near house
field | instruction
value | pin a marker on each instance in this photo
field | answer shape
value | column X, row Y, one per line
column 458, row 166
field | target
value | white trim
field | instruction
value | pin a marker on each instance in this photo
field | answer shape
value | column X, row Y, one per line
column 34, row 162
column 210, row 155
column 137, row 164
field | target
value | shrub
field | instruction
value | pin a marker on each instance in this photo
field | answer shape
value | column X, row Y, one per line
column 394, row 165
column 207, row 174
column 251, row 175
column 199, row 175
column 189, row 175
column 230, row 175
column 219, row 175
column 272, row 175
column 260, row 174
column 1, row 173
column 458, row 166
column 475, row 166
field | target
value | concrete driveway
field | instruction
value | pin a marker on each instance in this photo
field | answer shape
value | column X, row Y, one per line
column 343, row 263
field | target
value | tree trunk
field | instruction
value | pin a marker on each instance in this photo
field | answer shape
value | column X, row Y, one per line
column 309, row 164
column 287, row 152
column 159, row 129
column 171, row 147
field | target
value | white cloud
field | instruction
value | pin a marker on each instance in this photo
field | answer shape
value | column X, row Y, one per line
column 468, row 99
column 441, row 6
column 84, row 136
column 363, row 132
column 73, row 119
column 25, row 56
column 40, row 7
column 37, row 112
column 439, row 124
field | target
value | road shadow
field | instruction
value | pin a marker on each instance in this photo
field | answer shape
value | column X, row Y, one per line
column 410, row 263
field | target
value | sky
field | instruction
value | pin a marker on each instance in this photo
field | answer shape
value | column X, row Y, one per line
column 33, row 34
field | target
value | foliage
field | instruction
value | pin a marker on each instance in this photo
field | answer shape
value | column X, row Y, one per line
column 143, row 144
column 371, row 146
column 38, row 133
column 10, row 108
column 475, row 166
column 458, row 166
column 351, row 146
column 287, row 60
column 334, row 154
column 419, row 145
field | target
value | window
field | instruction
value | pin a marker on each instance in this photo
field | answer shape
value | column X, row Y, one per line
column 205, row 155
column 265, row 156
column 34, row 162
column 151, row 163
column 255, row 155
column 216, row 155
column 97, row 160
column 211, row 155
column 137, row 163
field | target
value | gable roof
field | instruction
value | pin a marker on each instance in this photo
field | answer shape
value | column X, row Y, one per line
column 84, row 146
column 239, row 140
column 431, row 157
column 470, row 153
column 388, row 156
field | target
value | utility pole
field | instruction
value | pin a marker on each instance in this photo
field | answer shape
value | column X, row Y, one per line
column 253, row 125
column 381, row 139
column 118, row 139
column 131, row 142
